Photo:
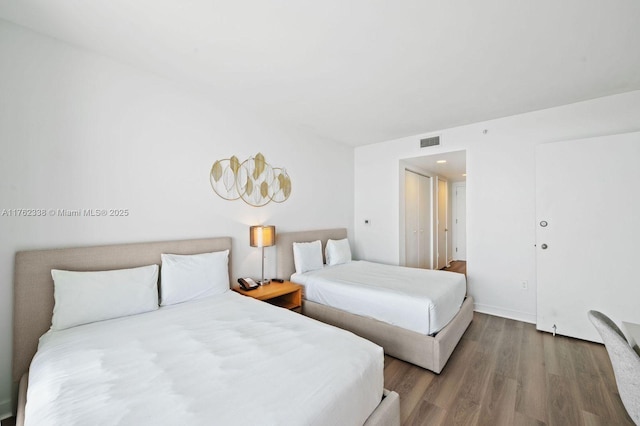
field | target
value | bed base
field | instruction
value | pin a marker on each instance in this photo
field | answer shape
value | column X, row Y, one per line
column 22, row 399
column 430, row 352
column 387, row 413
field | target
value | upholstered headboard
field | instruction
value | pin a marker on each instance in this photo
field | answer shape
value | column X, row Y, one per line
column 285, row 240
column 33, row 285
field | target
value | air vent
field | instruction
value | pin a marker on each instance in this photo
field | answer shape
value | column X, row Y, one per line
column 433, row 141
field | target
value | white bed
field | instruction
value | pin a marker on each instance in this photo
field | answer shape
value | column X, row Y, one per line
column 422, row 347
column 153, row 368
column 419, row 300
column 218, row 359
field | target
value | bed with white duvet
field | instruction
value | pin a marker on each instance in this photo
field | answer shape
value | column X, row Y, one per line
column 216, row 360
column 420, row 300
column 416, row 315
column 97, row 341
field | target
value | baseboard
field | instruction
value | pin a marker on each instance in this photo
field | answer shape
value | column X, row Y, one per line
column 6, row 410
column 505, row 313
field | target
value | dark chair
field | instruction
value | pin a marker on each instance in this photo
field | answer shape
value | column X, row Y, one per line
column 625, row 362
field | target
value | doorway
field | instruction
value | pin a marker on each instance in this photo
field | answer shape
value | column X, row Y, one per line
column 442, row 173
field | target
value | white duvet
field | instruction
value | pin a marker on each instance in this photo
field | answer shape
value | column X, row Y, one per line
column 421, row 300
column 223, row 360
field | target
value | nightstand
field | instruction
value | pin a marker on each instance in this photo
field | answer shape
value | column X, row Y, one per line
column 285, row 295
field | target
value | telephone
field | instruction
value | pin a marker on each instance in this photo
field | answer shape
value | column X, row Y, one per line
column 248, row 284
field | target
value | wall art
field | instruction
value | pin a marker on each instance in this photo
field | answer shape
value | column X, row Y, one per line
column 253, row 180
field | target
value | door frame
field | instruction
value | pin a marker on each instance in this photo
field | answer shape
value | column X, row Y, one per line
column 435, row 222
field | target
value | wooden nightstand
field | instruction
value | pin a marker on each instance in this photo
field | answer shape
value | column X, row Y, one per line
column 285, row 295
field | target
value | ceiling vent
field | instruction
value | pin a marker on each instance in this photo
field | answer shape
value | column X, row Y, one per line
column 432, row 141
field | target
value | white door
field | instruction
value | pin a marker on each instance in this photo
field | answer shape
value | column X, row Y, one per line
column 587, row 232
column 441, row 243
column 411, row 219
column 417, row 219
column 460, row 223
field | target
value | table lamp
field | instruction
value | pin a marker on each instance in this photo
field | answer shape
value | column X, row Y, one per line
column 262, row 236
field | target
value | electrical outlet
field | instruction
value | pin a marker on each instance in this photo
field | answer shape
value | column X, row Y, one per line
column 524, row 285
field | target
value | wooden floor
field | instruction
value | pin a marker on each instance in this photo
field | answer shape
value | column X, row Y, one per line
column 504, row 372
column 459, row 266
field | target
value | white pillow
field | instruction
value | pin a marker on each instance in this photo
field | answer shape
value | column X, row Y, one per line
column 193, row 276
column 337, row 252
column 84, row 297
column 307, row 256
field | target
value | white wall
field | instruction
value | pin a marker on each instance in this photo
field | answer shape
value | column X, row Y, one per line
column 500, row 193
column 78, row 130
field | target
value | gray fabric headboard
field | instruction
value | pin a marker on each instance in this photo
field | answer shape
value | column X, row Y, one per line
column 33, row 285
column 285, row 240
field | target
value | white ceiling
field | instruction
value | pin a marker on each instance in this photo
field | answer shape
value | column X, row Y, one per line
column 364, row 71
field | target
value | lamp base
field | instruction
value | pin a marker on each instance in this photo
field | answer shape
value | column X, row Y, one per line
column 264, row 282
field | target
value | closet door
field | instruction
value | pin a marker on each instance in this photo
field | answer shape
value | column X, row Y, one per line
column 417, row 220
column 412, row 218
column 587, row 232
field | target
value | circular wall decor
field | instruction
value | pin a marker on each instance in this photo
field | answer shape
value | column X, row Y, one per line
column 254, row 180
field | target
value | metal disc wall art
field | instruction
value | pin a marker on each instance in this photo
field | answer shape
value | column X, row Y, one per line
column 254, row 180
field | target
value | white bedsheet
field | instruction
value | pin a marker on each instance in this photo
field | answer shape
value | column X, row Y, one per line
column 223, row 360
column 421, row 300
